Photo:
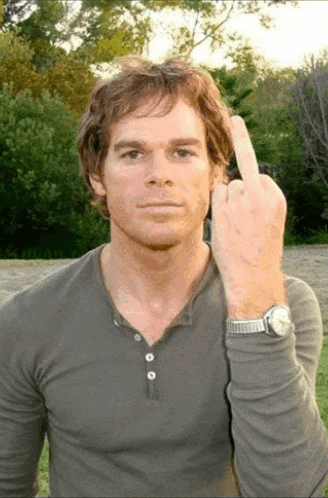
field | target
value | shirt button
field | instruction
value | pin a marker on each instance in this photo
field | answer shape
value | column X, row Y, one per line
column 151, row 375
column 137, row 337
column 150, row 357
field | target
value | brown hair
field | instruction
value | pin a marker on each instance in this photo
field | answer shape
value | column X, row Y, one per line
column 142, row 82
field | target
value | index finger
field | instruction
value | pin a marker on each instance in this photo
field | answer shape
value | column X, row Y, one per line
column 245, row 154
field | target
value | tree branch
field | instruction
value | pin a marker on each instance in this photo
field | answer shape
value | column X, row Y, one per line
column 309, row 119
column 14, row 10
column 214, row 30
column 317, row 166
column 196, row 21
column 322, row 109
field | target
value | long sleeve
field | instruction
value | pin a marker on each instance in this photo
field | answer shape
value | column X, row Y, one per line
column 22, row 418
column 281, row 446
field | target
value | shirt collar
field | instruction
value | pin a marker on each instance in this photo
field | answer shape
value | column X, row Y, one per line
column 185, row 317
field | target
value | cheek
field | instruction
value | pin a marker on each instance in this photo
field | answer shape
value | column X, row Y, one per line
column 202, row 183
column 120, row 194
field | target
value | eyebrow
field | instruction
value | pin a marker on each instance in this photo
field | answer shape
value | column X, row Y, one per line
column 122, row 144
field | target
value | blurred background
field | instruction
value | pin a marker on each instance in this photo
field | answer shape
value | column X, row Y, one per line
column 268, row 58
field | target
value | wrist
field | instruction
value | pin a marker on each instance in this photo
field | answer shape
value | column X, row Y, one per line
column 253, row 299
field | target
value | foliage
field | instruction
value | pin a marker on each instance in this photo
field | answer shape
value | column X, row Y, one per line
column 42, row 23
column 72, row 81
column 15, row 64
column 310, row 95
column 207, row 20
column 13, row 10
column 267, row 105
column 275, row 112
column 233, row 89
column 13, row 47
column 107, row 28
column 305, row 150
column 2, row 14
column 37, row 67
column 320, row 238
column 37, row 19
column 21, row 75
column 43, row 201
column 238, row 90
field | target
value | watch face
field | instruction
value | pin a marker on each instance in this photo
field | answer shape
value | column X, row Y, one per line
column 280, row 321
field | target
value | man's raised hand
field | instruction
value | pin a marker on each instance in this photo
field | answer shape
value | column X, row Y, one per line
column 248, row 221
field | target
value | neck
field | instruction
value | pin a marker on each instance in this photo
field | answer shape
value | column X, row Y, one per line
column 156, row 277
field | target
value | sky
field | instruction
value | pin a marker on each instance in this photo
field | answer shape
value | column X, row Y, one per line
column 299, row 31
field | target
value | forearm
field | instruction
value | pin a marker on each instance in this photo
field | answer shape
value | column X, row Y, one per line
column 250, row 297
column 19, row 455
column 280, row 441
column 22, row 420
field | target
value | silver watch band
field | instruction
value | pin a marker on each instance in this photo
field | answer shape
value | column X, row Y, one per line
column 275, row 322
column 246, row 327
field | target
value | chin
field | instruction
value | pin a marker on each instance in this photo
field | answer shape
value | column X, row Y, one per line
column 157, row 241
column 160, row 245
column 157, row 236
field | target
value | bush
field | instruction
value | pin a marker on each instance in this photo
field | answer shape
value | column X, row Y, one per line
column 44, row 202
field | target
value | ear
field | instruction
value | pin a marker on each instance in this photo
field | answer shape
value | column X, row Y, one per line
column 97, row 184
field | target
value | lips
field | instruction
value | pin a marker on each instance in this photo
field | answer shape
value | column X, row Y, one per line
column 160, row 203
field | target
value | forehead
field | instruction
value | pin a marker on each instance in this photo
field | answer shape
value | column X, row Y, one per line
column 181, row 121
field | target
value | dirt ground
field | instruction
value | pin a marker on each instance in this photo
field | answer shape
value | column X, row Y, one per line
column 310, row 263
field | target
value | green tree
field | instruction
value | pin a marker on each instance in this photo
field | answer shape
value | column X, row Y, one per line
column 72, row 81
column 14, row 10
column 13, row 47
column 44, row 203
column 65, row 77
column 15, row 63
column 310, row 114
column 275, row 129
column 107, row 28
column 310, row 95
column 208, row 20
column 2, row 14
column 277, row 113
column 239, row 90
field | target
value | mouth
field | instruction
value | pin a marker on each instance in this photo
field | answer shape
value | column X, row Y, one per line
column 161, row 204
column 160, row 209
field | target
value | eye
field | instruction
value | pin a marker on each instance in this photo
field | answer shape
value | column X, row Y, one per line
column 132, row 154
column 183, row 153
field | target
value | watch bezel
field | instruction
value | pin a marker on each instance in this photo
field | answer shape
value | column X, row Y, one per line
column 277, row 326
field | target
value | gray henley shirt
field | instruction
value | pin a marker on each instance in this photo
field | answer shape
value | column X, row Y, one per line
column 125, row 419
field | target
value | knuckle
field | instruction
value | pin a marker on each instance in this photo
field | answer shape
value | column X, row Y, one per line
column 236, row 184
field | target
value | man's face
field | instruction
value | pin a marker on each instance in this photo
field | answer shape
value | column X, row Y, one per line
column 158, row 160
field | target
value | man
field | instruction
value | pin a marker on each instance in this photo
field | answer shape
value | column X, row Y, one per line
column 159, row 364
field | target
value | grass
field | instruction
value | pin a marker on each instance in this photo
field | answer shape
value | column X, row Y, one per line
column 43, row 475
column 322, row 401
column 322, row 385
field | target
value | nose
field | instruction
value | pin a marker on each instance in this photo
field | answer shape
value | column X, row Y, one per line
column 159, row 170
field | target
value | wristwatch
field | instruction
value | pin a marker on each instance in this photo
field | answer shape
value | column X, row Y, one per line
column 275, row 322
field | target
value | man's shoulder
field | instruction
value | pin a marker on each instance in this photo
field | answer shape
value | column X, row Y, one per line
column 56, row 287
